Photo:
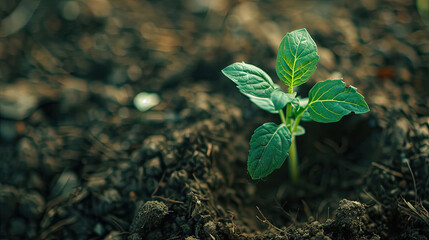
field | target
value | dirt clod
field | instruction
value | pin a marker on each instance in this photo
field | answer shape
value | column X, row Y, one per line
column 148, row 216
column 349, row 219
column 210, row 228
column 349, row 214
column 153, row 166
column 152, row 145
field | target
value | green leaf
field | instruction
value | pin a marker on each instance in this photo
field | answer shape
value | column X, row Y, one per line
column 280, row 98
column 263, row 103
column 330, row 100
column 300, row 130
column 301, row 107
column 269, row 147
column 250, row 79
column 301, row 104
column 254, row 83
column 297, row 58
column 295, row 104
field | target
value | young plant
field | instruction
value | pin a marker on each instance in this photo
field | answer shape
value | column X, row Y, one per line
column 328, row 101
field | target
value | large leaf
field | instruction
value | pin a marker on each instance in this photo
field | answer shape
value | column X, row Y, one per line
column 269, row 147
column 250, row 79
column 297, row 58
column 330, row 100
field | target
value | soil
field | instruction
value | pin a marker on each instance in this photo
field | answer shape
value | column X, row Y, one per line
column 79, row 161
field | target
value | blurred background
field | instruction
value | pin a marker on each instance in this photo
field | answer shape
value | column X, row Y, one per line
column 70, row 69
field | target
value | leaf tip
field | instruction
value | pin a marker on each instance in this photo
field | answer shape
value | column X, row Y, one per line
column 252, row 173
column 253, row 177
column 226, row 69
column 301, row 30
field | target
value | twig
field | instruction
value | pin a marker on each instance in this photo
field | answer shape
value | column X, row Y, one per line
column 265, row 220
column 414, row 180
column 208, row 192
column 232, row 221
column 56, row 227
column 168, row 199
column 157, row 186
column 306, row 209
column 292, row 218
column 116, row 221
column 372, row 197
column 393, row 172
column 421, row 212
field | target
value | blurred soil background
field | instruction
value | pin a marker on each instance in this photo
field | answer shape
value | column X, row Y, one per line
column 79, row 161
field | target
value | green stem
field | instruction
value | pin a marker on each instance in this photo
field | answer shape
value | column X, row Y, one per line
column 282, row 116
column 293, row 155
column 288, row 113
column 289, row 109
column 293, row 162
column 296, row 123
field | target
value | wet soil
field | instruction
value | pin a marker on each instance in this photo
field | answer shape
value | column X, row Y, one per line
column 79, row 161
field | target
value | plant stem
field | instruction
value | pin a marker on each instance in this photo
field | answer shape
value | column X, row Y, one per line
column 293, row 155
column 296, row 123
column 288, row 113
column 289, row 109
column 282, row 117
column 293, row 162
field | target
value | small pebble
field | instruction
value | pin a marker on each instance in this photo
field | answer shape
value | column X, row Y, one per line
column 99, row 229
column 66, row 182
column 145, row 101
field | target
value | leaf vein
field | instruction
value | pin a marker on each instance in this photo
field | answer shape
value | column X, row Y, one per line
column 333, row 100
column 329, row 110
column 263, row 152
column 324, row 92
column 318, row 113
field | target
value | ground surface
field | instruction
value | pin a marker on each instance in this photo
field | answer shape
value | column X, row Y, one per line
column 78, row 161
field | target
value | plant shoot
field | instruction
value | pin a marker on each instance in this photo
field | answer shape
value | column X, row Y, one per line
column 328, row 101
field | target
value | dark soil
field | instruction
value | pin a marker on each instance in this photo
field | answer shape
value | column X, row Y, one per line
column 78, row 161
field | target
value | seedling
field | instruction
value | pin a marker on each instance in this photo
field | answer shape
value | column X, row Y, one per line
column 328, row 101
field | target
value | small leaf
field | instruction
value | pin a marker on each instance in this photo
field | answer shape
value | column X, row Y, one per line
column 297, row 58
column 250, row 79
column 252, row 82
column 300, row 130
column 280, row 98
column 301, row 108
column 269, row 147
column 295, row 104
column 302, row 103
column 263, row 103
column 330, row 100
